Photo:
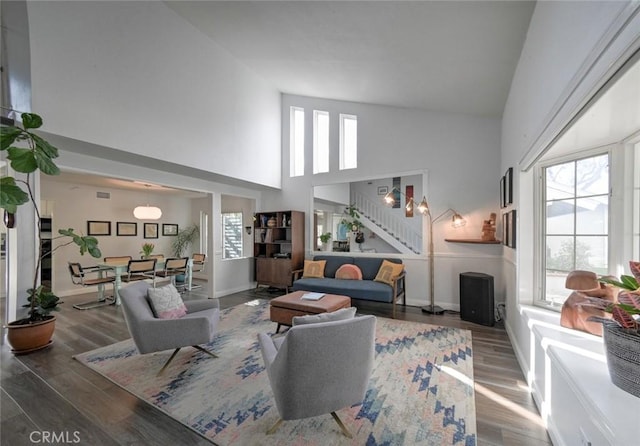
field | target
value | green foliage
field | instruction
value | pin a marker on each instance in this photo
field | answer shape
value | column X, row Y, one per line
column 351, row 219
column 147, row 249
column 37, row 155
column 41, row 302
column 628, row 300
column 625, row 282
column 184, row 239
column 324, row 238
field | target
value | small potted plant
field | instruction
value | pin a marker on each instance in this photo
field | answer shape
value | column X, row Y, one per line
column 622, row 334
column 147, row 249
column 324, row 239
column 33, row 154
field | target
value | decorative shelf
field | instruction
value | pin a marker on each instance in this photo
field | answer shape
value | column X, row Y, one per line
column 473, row 240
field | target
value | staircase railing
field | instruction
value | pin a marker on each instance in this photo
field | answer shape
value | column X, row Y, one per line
column 380, row 215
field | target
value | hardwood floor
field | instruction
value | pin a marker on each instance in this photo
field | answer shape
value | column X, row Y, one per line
column 49, row 392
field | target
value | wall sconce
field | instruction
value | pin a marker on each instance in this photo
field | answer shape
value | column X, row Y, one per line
column 423, row 207
column 248, row 229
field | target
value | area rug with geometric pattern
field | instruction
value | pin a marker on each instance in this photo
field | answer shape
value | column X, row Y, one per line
column 420, row 391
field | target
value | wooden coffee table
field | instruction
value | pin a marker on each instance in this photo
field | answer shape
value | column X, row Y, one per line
column 284, row 308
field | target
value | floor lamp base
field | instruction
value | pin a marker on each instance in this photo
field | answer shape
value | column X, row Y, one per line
column 433, row 309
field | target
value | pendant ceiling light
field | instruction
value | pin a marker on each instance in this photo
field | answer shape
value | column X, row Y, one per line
column 147, row 212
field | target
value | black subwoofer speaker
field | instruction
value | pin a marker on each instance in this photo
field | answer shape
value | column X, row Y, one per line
column 476, row 298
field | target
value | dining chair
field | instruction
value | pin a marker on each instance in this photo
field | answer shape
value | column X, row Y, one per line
column 91, row 276
column 158, row 257
column 140, row 270
column 174, row 267
column 117, row 259
column 197, row 265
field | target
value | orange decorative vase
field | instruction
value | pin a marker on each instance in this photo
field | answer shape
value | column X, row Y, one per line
column 27, row 338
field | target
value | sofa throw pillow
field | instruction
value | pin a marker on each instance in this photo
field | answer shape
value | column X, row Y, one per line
column 349, row 272
column 313, row 268
column 388, row 271
column 338, row 315
column 166, row 302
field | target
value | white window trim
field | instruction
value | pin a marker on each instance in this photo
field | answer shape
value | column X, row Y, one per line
column 293, row 161
column 316, row 142
column 344, row 117
column 620, row 203
column 242, row 254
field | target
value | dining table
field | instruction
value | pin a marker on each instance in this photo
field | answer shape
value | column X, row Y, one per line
column 119, row 269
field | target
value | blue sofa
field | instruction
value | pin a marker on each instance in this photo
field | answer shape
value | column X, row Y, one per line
column 365, row 289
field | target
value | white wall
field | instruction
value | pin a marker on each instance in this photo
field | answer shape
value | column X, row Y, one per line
column 137, row 77
column 461, row 155
column 572, row 48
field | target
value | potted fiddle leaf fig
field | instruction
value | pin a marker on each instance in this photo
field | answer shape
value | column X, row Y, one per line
column 32, row 154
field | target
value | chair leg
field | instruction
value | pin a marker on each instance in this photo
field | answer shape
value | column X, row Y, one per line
column 173, row 355
column 275, row 427
column 344, row 429
column 197, row 347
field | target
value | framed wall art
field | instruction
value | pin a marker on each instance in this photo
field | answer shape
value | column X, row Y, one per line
column 511, row 230
column 508, row 186
column 126, row 228
column 170, row 229
column 151, row 230
column 503, row 203
column 505, row 229
column 408, row 212
column 98, row 227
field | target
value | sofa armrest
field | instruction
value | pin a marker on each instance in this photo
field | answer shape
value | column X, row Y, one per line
column 398, row 284
column 296, row 274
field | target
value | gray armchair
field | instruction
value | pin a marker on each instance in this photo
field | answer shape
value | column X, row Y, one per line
column 151, row 334
column 319, row 368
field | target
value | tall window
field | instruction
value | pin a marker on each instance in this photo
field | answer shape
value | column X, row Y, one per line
column 576, row 221
column 348, row 142
column 232, row 235
column 320, row 141
column 296, row 142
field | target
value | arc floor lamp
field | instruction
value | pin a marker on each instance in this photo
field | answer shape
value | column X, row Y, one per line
column 423, row 207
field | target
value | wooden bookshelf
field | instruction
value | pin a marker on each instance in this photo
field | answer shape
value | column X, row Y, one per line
column 278, row 247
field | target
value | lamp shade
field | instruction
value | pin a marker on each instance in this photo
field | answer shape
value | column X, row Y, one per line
column 457, row 221
column 147, row 213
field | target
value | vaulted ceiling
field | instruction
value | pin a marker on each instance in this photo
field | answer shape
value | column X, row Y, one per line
column 451, row 56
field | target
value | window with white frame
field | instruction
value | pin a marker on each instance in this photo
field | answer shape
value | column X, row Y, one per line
column 232, row 235
column 575, row 221
column 348, row 141
column 296, row 142
column 320, row 141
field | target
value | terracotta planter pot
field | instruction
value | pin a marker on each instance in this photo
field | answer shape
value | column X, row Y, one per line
column 28, row 338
